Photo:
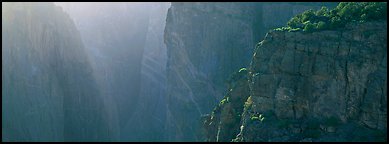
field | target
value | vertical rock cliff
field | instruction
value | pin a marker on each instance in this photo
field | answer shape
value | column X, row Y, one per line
column 320, row 86
column 206, row 43
column 48, row 91
column 224, row 122
column 150, row 114
column 197, row 63
column 125, row 42
column 114, row 36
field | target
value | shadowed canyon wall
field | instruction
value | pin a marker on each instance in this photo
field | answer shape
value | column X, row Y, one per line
column 48, row 91
column 206, row 43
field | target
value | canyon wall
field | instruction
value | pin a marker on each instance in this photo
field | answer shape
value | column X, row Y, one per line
column 125, row 43
column 48, row 90
column 320, row 86
column 206, row 43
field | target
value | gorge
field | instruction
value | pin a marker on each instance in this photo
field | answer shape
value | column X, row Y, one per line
column 192, row 71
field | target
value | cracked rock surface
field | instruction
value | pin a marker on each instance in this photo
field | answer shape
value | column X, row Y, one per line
column 320, row 86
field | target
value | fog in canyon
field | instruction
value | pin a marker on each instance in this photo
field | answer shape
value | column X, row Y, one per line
column 170, row 71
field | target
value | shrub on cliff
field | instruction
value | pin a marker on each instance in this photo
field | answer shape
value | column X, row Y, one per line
column 345, row 12
column 242, row 73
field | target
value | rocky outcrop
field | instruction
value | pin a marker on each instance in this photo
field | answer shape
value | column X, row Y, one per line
column 48, row 91
column 320, row 86
column 224, row 122
column 206, row 43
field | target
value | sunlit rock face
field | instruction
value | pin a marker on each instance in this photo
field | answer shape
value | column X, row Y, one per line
column 150, row 114
column 206, row 43
column 320, row 86
column 125, row 43
column 48, row 91
column 334, row 79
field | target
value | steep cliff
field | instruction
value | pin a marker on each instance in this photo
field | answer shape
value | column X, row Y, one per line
column 320, row 86
column 224, row 122
column 197, row 64
column 48, row 92
column 206, row 43
column 149, row 119
column 116, row 36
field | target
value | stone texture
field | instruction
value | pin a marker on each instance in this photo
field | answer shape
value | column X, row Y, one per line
column 207, row 42
column 323, row 91
column 224, row 122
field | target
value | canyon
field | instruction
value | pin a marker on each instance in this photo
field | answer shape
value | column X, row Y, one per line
column 193, row 71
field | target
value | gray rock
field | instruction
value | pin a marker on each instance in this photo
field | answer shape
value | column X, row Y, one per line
column 206, row 43
column 345, row 85
column 49, row 93
column 330, row 87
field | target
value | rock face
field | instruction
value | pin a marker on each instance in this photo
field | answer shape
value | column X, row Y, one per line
column 125, row 42
column 48, row 91
column 223, row 123
column 149, row 119
column 320, row 86
column 206, row 43
column 114, row 38
column 197, row 63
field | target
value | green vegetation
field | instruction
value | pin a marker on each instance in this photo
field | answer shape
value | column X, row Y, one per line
column 257, row 118
column 225, row 100
column 242, row 69
column 345, row 12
